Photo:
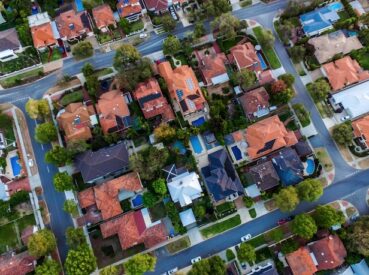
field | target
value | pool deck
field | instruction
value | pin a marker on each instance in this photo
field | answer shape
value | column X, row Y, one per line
column 234, row 160
column 9, row 169
column 204, row 150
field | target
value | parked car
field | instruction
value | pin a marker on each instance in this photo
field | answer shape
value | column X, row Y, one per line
column 172, row 271
column 243, row 265
column 246, row 238
column 345, row 118
column 195, row 260
column 143, row 35
column 283, row 221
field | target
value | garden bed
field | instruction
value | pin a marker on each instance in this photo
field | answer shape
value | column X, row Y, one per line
column 257, row 241
column 73, row 97
column 302, row 114
column 56, row 54
column 178, row 245
column 220, row 227
column 26, row 59
column 252, row 213
column 22, row 78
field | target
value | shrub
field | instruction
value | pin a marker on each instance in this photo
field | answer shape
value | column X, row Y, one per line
column 248, row 201
column 230, row 255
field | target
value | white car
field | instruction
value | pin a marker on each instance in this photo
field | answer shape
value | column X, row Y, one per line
column 345, row 118
column 246, row 238
column 195, row 260
column 172, row 271
column 143, row 35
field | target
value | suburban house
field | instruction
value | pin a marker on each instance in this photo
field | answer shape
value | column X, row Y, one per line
column 103, row 17
column 361, row 131
column 289, row 166
column 187, row 218
column 221, row 178
column 320, row 20
column 185, row 91
column 76, row 121
column 72, row 25
column 325, row 254
column 161, row 6
column 344, row 72
column 129, row 9
column 303, row 149
column 113, row 112
column 184, row 188
column 96, row 166
column 264, row 176
column 331, row 44
column 358, row 7
column 44, row 32
column 152, row 102
column 12, row 264
column 105, row 198
column 212, row 66
column 245, row 56
column 135, row 227
column 9, row 187
column 255, row 103
column 266, row 136
column 9, row 45
column 353, row 100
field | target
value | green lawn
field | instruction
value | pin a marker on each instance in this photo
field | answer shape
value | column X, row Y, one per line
column 71, row 98
column 263, row 254
column 103, row 72
column 26, row 59
column 178, row 245
column 55, row 56
column 257, row 241
column 225, row 45
column 220, row 227
column 361, row 56
column 20, row 78
column 268, row 52
column 225, row 207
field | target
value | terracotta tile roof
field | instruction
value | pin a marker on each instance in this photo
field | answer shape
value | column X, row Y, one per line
column 361, row 128
column 211, row 64
column 254, row 100
column 244, row 55
column 105, row 195
column 301, row 262
column 18, row 264
column 183, row 87
column 71, row 24
column 18, row 185
column 266, row 136
column 75, row 122
column 152, row 101
column 265, row 77
column 344, row 72
column 128, row 7
column 329, row 252
column 42, row 35
column 156, row 5
column 131, row 230
column 110, row 106
column 103, row 16
column 238, row 135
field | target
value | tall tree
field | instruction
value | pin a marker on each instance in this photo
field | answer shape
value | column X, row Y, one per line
column 304, row 226
column 310, row 190
column 216, row 7
column 246, row 78
column 37, row 108
column 266, row 38
column 297, row 53
column 48, row 267
column 58, row 156
column 125, row 56
column 168, row 23
column 110, row 270
column 171, row 45
column 165, row 133
column 326, row 216
column 246, row 253
column 278, row 86
column 343, row 133
column 93, row 85
column 227, row 25
column 46, row 132
column 75, row 237
column 83, row 50
column 63, row 182
column 160, row 187
column 41, row 243
column 149, row 199
column 358, row 237
column 287, row 199
column 289, row 79
column 87, row 69
column 319, row 90
column 199, row 29
column 80, row 261
column 70, row 206
column 210, row 266
column 139, row 264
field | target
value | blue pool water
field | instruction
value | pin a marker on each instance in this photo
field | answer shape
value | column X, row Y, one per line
column 237, row 152
column 15, row 165
column 198, row 122
column 137, row 201
column 310, row 168
column 262, row 61
column 352, row 33
column 180, row 146
column 196, row 145
column 335, row 6
column 79, row 5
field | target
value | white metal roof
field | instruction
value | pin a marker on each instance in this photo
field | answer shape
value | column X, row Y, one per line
column 184, row 188
column 187, row 217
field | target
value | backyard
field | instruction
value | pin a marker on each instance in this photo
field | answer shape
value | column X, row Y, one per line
column 268, row 51
column 220, row 227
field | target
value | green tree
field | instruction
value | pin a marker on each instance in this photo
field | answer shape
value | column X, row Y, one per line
column 63, row 182
column 24, row 34
column 199, row 29
column 149, row 199
column 168, row 23
column 3, row 162
column 58, row 156
column 18, row 198
column 230, row 255
column 289, row 246
column 80, row 261
column 48, row 267
column 304, row 226
column 216, row 7
column 5, row 121
column 199, row 211
column 93, row 85
column 358, row 237
column 210, row 266
column 289, row 79
column 171, row 45
column 78, row 146
column 266, row 38
column 125, row 25
column 297, row 53
column 70, row 206
column 75, row 237
column 110, row 270
column 283, row 97
column 343, row 133
column 139, row 264
column 287, row 199
column 87, row 69
column 41, row 243
column 246, row 78
column 310, row 190
column 276, row 234
column 285, row 30
column 83, row 50
column 319, row 90
column 160, row 187
column 227, row 25
column 246, row 253
column 125, row 56
column 364, row 36
column 165, row 133
column 46, row 132
column 37, row 108
column 326, row 216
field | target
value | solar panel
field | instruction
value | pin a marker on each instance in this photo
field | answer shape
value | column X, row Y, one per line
column 183, row 105
column 148, row 98
column 267, row 146
column 179, row 94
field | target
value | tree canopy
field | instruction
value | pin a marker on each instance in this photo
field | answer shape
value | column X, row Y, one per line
column 75, row 237
column 216, row 7
column 70, row 206
column 287, row 199
column 210, row 266
column 343, row 133
column 139, row 264
column 289, row 79
column 304, row 226
column 171, row 45
column 160, row 187
column 246, row 253
column 46, row 132
column 165, row 133
column 63, row 182
column 80, row 261
column 37, row 109
column 266, row 38
column 246, row 78
column 310, row 190
column 297, row 53
column 110, row 270
column 326, row 216
column 126, row 55
column 41, row 243
column 87, row 69
column 168, row 23
column 358, row 237
column 227, row 25
column 319, row 90
column 58, row 156
column 48, row 267
column 149, row 199
column 83, row 50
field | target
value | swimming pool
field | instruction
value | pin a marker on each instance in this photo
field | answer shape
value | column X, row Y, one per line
column 262, row 61
column 15, row 166
column 310, row 168
column 335, row 6
column 198, row 122
column 137, row 201
column 79, row 5
column 180, row 146
column 236, row 152
column 196, row 144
